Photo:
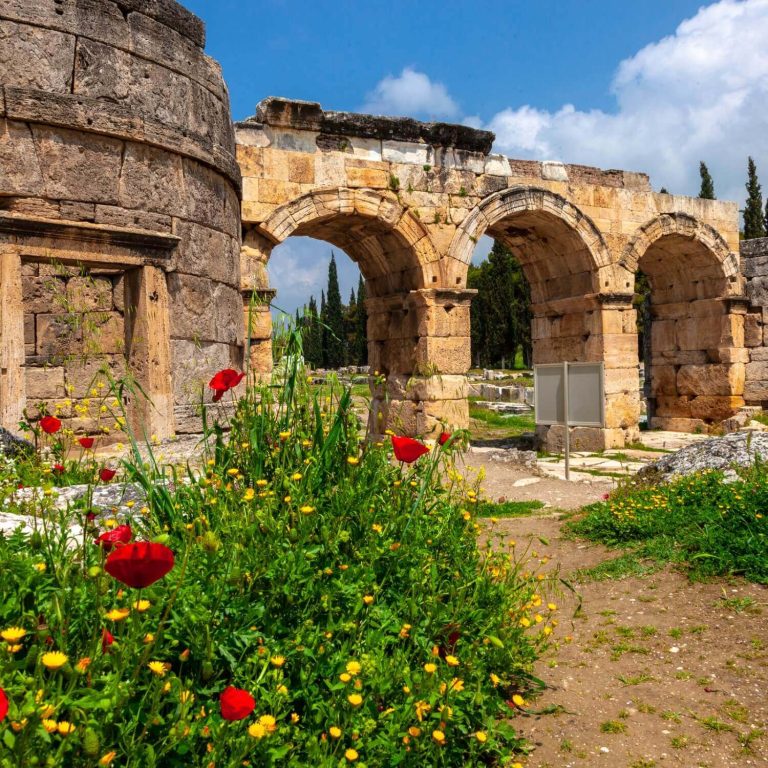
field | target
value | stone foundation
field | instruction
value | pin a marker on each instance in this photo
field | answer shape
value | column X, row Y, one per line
column 754, row 256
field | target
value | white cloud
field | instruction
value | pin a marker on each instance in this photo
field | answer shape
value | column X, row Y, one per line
column 412, row 93
column 699, row 94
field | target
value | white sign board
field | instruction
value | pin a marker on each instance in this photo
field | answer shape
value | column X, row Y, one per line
column 584, row 395
column 570, row 394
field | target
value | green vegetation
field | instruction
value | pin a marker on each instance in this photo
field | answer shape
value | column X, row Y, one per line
column 515, row 423
column 508, row 508
column 342, row 593
column 707, row 191
column 754, row 217
column 711, row 527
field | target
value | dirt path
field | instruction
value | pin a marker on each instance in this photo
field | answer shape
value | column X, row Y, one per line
column 659, row 671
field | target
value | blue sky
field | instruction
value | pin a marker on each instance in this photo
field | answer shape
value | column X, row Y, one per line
column 651, row 85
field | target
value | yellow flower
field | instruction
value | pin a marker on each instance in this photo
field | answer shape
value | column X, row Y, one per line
column 257, row 731
column 439, row 737
column 296, row 476
column 456, row 685
column 368, row 599
column 414, row 731
column 354, row 668
column 268, row 722
column 334, row 732
column 430, row 668
column 50, row 725
column 277, row 661
column 186, row 697
column 495, row 679
column 54, row 659
column 481, row 736
column 40, row 567
column 551, row 606
column 65, row 728
column 233, row 472
column 351, row 755
column 249, row 494
column 525, row 622
column 107, row 758
column 518, row 700
column 355, row 699
column 376, row 527
column 18, row 725
column 149, row 638
column 353, row 460
column 14, row 648
column 421, row 709
column 282, row 690
column 451, row 661
column 142, row 605
column 158, row 668
column 118, row 614
column 261, row 483
column 13, row 634
column 345, row 677
column 307, row 510
column 285, row 435
column 405, row 631
column 295, row 718
column 83, row 664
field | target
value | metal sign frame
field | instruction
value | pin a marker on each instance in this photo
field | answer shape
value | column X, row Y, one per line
column 566, row 422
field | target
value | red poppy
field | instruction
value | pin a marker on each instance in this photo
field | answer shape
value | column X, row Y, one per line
column 3, row 704
column 223, row 381
column 59, row 468
column 407, row 449
column 86, row 442
column 50, row 424
column 107, row 474
column 90, row 516
column 444, row 438
column 107, row 638
column 140, row 563
column 236, row 703
column 116, row 537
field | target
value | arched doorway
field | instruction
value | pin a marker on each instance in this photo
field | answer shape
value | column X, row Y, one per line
column 411, row 328
column 693, row 360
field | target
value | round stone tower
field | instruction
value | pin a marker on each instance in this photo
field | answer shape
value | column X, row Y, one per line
column 119, row 211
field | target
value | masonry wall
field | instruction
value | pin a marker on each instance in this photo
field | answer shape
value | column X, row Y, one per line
column 115, row 129
column 754, row 261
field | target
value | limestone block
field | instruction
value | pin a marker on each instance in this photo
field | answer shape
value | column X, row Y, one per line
column 756, row 391
column 497, row 165
column 439, row 415
column 29, row 334
column 553, row 171
column 678, row 425
column 205, row 310
column 211, row 201
column 406, row 152
column 78, row 166
column 132, row 219
column 57, row 336
column 43, row 294
column 445, row 320
column 757, row 371
column 427, row 388
column 753, row 329
column 443, row 355
column 103, row 333
column 670, row 406
column 85, row 294
column 193, row 365
column 207, row 252
column 277, row 192
column 663, row 380
column 401, row 416
column 622, row 410
column 259, row 321
column 297, row 167
column 293, row 140
column 330, row 170
column 34, row 408
column 729, row 355
column 619, row 380
column 697, row 333
column 151, row 179
column 118, row 293
column 367, row 177
column 677, row 357
column 38, row 58
column 46, row 383
column 711, row 379
column 252, row 135
column 260, row 360
column 19, row 168
column 664, row 335
column 617, row 348
column 713, row 409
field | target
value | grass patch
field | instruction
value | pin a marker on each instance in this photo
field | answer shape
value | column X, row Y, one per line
column 710, row 527
column 508, row 508
column 621, row 567
column 516, row 423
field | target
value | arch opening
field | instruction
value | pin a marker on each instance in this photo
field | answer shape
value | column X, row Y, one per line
column 693, row 379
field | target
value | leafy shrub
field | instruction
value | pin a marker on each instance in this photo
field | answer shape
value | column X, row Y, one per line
column 342, row 595
column 713, row 527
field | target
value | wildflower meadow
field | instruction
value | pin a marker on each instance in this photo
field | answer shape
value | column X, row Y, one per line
column 299, row 594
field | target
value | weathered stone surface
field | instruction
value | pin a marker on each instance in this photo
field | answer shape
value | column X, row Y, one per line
column 151, row 180
column 711, row 379
column 45, row 383
column 11, row 445
column 19, row 168
column 85, row 294
column 719, row 453
column 37, row 58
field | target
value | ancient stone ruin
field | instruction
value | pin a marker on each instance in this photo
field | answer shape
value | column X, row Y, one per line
column 122, row 215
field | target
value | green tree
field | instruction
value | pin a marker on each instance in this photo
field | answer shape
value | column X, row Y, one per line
column 501, row 314
column 313, row 335
column 707, row 191
column 335, row 348
column 322, row 320
column 361, row 331
column 754, row 225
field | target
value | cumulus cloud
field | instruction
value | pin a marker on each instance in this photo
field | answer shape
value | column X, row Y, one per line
column 412, row 93
column 698, row 94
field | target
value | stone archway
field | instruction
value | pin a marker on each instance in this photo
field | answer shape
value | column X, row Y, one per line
column 696, row 360
column 567, row 263
column 410, row 324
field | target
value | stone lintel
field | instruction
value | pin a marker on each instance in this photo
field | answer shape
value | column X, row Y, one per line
column 620, row 299
column 310, row 116
column 160, row 244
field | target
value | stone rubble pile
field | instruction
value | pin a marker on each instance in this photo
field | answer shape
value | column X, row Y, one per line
column 721, row 453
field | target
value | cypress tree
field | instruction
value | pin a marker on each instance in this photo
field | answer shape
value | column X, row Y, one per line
column 335, row 346
column 323, row 331
column 707, row 191
column 754, row 225
column 361, row 331
column 313, row 337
